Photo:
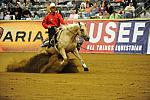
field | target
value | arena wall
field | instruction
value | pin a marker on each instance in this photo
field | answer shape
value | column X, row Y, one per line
column 106, row 36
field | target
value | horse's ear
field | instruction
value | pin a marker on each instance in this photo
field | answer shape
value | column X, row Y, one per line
column 79, row 24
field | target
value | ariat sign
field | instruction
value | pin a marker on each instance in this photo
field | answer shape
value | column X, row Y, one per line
column 22, row 36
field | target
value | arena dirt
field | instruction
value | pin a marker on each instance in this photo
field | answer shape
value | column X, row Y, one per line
column 111, row 77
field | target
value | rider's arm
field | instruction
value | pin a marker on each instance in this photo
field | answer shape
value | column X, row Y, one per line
column 45, row 22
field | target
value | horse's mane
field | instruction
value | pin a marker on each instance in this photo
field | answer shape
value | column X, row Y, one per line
column 69, row 26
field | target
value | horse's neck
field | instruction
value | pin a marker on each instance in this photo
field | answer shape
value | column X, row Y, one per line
column 68, row 35
column 70, row 32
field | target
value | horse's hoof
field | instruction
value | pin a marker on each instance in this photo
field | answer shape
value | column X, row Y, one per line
column 86, row 69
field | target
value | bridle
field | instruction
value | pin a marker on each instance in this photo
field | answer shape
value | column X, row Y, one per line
column 75, row 34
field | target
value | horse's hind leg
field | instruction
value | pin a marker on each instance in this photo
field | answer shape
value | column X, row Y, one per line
column 76, row 53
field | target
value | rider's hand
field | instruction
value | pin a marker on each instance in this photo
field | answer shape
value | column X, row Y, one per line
column 60, row 28
column 56, row 29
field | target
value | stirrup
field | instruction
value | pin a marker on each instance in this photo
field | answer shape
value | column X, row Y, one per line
column 51, row 43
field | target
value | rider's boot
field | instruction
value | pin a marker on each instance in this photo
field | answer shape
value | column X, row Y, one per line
column 51, row 43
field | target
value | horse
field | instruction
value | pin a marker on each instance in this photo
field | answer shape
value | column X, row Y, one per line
column 67, row 41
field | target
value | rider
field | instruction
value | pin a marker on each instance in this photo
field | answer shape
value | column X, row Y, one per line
column 52, row 21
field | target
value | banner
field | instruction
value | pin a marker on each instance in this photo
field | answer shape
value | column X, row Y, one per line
column 132, row 37
column 20, row 36
column 128, row 36
column 148, row 47
column 106, row 36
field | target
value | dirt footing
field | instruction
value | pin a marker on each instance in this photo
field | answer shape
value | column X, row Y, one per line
column 44, row 63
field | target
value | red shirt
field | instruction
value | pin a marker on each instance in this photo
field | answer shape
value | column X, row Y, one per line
column 52, row 20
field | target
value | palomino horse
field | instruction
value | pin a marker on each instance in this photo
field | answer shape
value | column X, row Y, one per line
column 67, row 41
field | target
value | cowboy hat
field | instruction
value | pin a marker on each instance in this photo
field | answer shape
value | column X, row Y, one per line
column 52, row 5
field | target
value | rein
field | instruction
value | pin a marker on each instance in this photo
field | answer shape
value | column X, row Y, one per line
column 74, row 36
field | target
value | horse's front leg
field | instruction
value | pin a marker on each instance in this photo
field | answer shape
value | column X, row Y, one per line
column 63, row 54
column 76, row 53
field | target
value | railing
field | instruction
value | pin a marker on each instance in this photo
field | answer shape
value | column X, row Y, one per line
column 140, row 9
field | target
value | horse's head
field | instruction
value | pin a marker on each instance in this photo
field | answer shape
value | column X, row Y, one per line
column 83, row 31
column 77, row 29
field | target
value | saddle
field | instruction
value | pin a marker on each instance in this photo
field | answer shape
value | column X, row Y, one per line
column 52, row 42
